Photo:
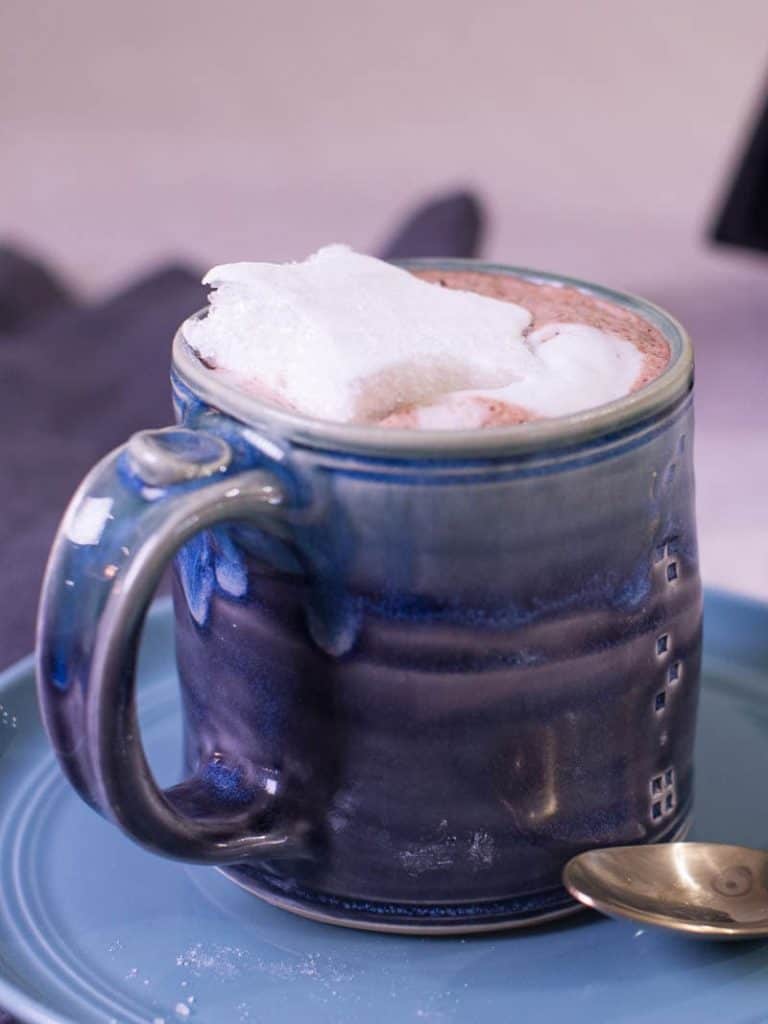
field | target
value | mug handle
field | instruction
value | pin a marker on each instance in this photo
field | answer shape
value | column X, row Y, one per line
column 132, row 512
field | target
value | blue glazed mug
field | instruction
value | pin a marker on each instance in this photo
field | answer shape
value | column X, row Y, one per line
column 420, row 670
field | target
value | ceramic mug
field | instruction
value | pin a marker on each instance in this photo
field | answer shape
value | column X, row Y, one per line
column 420, row 670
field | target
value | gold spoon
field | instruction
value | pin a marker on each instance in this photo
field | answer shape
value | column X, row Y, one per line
column 705, row 890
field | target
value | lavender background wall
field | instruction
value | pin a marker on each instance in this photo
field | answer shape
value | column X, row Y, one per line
column 598, row 131
column 599, row 134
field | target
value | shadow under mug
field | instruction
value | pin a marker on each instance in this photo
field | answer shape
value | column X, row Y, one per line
column 420, row 670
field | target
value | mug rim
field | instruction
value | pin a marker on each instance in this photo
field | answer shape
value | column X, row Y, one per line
column 660, row 394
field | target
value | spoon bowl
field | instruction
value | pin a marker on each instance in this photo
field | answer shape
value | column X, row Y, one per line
column 705, row 890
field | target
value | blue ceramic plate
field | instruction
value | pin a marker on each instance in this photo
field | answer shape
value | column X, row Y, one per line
column 95, row 930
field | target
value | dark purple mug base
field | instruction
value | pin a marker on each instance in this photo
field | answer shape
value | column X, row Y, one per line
column 422, row 918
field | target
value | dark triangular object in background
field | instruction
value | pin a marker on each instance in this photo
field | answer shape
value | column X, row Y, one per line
column 743, row 219
column 451, row 226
